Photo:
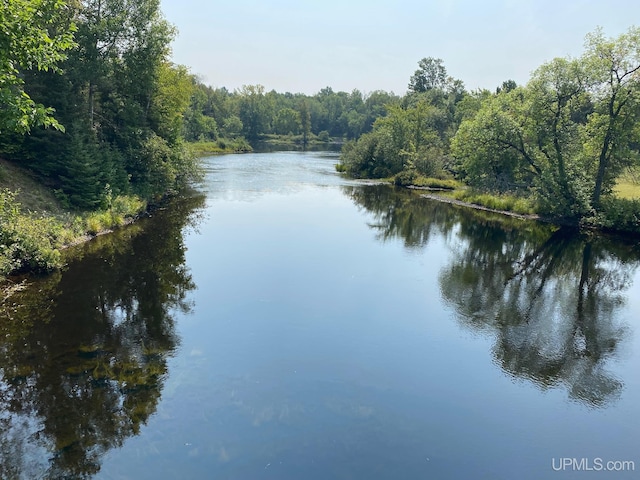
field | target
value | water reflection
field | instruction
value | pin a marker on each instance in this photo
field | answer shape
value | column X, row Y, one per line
column 549, row 297
column 83, row 355
column 397, row 214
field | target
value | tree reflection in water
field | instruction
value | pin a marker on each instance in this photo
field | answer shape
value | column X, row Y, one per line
column 83, row 354
column 549, row 296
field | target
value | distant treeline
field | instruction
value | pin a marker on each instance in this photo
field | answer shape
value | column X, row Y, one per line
column 252, row 113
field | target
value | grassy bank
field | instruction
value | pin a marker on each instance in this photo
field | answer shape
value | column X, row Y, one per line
column 204, row 148
column 315, row 142
column 507, row 203
column 620, row 212
column 34, row 226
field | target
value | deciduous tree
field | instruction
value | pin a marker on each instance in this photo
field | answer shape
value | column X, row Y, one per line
column 34, row 35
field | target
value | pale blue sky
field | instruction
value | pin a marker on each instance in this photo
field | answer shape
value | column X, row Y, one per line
column 372, row 45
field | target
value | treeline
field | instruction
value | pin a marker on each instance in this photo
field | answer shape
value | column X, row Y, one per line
column 252, row 114
column 562, row 140
column 110, row 92
column 416, row 132
column 98, row 73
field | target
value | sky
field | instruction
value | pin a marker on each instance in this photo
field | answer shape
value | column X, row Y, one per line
column 303, row 46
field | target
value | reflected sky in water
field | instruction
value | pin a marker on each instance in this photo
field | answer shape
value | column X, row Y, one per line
column 294, row 324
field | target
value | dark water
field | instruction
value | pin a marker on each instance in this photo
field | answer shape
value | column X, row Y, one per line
column 286, row 324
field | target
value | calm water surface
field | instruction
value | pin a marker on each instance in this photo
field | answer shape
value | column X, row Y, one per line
column 287, row 323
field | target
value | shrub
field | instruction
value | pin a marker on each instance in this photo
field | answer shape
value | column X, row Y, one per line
column 620, row 214
column 26, row 242
column 93, row 225
column 405, row 177
column 128, row 206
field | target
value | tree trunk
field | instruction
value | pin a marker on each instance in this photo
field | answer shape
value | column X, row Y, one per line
column 603, row 163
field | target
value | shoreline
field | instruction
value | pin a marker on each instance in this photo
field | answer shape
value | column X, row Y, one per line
column 622, row 234
column 475, row 206
column 16, row 282
column 87, row 237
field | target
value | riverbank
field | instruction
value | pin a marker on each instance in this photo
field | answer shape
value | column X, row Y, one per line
column 220, row 146
column 272, row 142
column 621, row 215
column 620, row 212
column 35, row 226
column 453, row 201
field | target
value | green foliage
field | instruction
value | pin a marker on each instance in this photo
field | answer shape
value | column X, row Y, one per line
column 368, row 157
column 618, row 214
column 127, row 206
column 405, row 178
column 506, row 203
column 30, row 242
column 123, row 104
column 170, row 100
column 255, row 114
column 613, row 66
column 238, row 145
column 490, row 146
column 199, row 127
column 431, row 74
column 305, row 121
column 33, row 36
column 117, row 212
column 26, row 243
column 566, row 136
column 162, row 168
column 83, row 174
column 414, row 136
column 254, row 111
column 287, row 122
column 232, row 126
column 436, row 183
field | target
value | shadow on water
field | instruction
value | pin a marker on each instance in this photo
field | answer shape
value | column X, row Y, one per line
column 548, row 296
column 83, row 354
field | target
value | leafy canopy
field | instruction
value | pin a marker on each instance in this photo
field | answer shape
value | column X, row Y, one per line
column 34, row 35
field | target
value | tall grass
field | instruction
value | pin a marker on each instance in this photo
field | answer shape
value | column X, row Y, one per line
column 508, row 203
column 122, row 207
column 32, row 242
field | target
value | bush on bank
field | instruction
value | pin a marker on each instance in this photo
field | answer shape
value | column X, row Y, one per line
column 32, row 242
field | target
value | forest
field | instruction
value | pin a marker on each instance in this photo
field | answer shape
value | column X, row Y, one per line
column 254, row 116
column 95, row 110
column 558, row 145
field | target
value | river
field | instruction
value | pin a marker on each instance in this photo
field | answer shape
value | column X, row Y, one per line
column 282, row 322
